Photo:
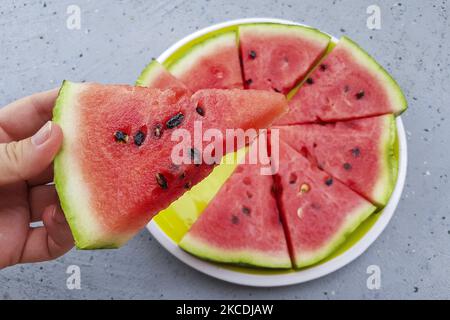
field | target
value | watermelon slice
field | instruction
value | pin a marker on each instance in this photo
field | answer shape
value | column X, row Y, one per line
column 241, row 224
column 318, row 211
column 276, row 56
column 347, row 84
column 155, row 75
column 213, row 63
column 360, row 153
column 115, row 169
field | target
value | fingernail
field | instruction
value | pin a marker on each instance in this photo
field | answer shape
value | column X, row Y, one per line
column 42, row 135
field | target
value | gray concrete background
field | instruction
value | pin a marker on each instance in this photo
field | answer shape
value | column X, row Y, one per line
column 116, row 41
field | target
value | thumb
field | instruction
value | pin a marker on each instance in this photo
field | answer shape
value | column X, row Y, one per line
column 25, row 159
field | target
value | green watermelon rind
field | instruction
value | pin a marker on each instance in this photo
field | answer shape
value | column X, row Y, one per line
column 386, row 182
column 396, row 96
column 68, row 180
column 183, row 64
column 253, row 258
column 395, row 157
column 302, row 260
column 281, row 29
column 151, row 71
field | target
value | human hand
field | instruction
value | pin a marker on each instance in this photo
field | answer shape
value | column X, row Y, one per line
column 28, row 144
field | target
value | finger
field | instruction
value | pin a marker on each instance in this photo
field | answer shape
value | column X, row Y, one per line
column 24, row 117
column 50, row 241
column 40, row 198
column 44, row 177
column 26, row 159
column 14, row 223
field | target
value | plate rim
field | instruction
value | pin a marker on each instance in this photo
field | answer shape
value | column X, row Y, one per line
column 302, row 275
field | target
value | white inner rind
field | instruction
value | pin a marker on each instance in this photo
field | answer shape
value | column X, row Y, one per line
column 385, row 184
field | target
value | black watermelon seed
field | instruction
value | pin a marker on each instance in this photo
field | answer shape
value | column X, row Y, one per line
column 182, row 176
column 246, row 210
column 347, row 166
column 249, row 81
column 276, row 90
column 162, row 181
column 187, row 185
column 360, row 95
column 120, row 136
column 175, row 121
column 310, row 81
column 157, row 131
column 200, row 111
column 234, row 219
column 356, row 152
column 139, row 138
column 323, row 67
column 252, row 54
column 329, row 181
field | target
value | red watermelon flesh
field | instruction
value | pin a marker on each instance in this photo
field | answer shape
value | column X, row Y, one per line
column 347, row 84
column 155, row 75
column 241, row 224
column 115, row 170
column 211, row 64
column 318, row 211
column 277, row 57
column 360, row 153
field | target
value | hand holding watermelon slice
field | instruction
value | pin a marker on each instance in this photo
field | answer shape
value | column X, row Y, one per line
column 28, row 144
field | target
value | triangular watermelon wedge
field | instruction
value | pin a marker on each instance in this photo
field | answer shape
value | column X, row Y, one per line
column 278, row 56
column 241, row 224
column 210, row 64
column 360, row 153
column 347, row 84
column 116, row 170
column 155, row 75
column 318, row 212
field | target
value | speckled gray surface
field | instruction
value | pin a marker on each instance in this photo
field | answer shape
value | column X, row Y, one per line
column 116, row 41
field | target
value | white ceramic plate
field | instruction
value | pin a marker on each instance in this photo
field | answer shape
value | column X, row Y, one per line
column 282, row 279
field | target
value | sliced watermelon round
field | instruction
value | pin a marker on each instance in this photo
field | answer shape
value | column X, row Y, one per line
column 347, row 84
column 155, row 75
column 115, row 169
column 360, row 153
column 211, row 64
column 241, row 224
column 318, row 211
column 278, row 56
